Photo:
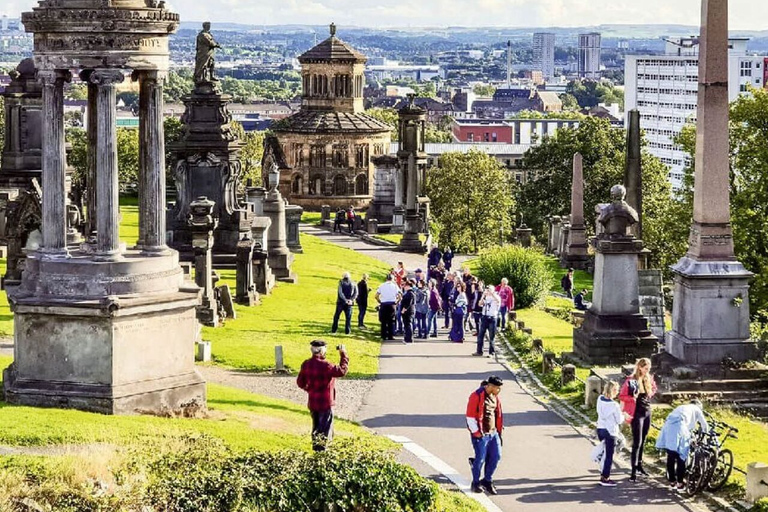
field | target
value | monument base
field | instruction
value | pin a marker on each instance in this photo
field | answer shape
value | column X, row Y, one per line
column 281, row 263
column 576, row 261
column 411, row 243
column 613, row 339
column 136, row 359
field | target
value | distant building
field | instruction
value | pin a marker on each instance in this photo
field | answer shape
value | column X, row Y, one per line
column 329, row 144
column 589, row 55
column 544, row 54
column 513, row 131
column 398, row 71
column 547, row 101
column 664, row 88
column 535, row 76
column 4, row 23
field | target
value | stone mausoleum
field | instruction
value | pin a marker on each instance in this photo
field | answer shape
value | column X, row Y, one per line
column 100, row 326
column 330, row 142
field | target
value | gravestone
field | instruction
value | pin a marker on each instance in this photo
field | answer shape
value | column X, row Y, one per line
column 710, row 319
column 293, row 220
column 280, row 257
column 556, row 223
column 245, row 290
column 614, row 331
column 576, row 245
column 202, row 224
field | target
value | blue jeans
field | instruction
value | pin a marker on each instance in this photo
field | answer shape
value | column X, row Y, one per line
column 421, row 324
column 398, row 321
column 503, row 317
column 432, row 322
column 488, row 452
column 610, row 446
column 340, row 307
column 487, row 324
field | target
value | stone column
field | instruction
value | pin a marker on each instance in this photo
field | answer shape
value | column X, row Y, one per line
column 54, row 164
column 92, row 137
column 633, row 174
column 576, row 248
column 107, row 214
column 152, row 148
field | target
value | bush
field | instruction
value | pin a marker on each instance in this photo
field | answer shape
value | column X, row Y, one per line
column 525, row 268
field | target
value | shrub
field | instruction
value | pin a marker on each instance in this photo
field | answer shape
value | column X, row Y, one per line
column 525, row 268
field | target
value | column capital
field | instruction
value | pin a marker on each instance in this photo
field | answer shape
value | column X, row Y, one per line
column 52, row 76
column 106, row 76
column 149, row 74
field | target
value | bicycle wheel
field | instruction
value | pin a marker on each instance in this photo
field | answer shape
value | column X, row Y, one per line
column 722, row 470
column 697, row 472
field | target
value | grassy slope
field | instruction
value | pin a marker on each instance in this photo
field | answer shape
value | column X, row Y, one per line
column 581, row 279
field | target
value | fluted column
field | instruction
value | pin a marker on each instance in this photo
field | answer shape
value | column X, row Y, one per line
column 54, row 164
column 152, row 179
column 92, row 138
column 108, row 212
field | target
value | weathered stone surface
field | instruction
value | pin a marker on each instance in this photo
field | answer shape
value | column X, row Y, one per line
column 633, row 172
column 576, row 246
column 293, row 215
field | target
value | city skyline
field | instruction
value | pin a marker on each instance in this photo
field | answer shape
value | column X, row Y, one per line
column 444, row 13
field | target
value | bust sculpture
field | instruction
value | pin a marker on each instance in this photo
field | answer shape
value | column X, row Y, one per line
column 204, row 61
column 619, row 216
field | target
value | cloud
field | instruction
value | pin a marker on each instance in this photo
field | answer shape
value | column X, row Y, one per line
column 744, row 14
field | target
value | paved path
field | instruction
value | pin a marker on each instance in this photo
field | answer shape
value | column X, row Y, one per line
column 421, row 394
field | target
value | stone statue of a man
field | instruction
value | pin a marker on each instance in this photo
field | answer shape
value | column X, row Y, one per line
column 618, row 216
column 204, row 61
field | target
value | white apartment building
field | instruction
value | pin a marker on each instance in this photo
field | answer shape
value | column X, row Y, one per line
column 544, row 54
column 664, row 88
column 589, row 55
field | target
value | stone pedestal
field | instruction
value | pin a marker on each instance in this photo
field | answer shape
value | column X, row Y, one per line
column 256, row 196
column 280, row 258
column 411, row 240
column 245, row 289
column 202, row 224
column 293, row 220
column 524, row 236
column 325, row 213
column 398, row 220
column 556, row 223
column 207, row 164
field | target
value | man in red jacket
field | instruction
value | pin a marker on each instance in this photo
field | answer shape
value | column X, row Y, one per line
column 317, row 377
column 485, row 422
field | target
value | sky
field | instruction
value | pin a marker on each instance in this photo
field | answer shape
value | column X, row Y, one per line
column 744, row 14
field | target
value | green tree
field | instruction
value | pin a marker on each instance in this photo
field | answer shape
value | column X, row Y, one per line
column 250, row 153
column 178, row 85
column 589, row 93
column 471, row 198
column 570, row 103
column 484, row 90
column 76, row 92
column 127, row 155
column 387, row 116
column 603, row 148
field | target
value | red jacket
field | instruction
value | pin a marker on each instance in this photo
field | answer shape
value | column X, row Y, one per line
column 507, row 295
column 627, row 395
column 317, row 377
column 476, row 411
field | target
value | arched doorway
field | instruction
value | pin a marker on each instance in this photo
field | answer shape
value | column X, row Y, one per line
column 339, row 185
column 361, row 185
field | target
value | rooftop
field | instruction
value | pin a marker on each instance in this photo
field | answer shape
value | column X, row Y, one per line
column 332, row 49
column 313, row 121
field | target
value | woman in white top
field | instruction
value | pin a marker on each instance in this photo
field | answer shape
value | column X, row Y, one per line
column 609, row 418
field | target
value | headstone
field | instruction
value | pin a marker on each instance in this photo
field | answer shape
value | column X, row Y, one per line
column 256, row 196
column 592, row 391
column 710, row 318
column 373, row 226
column 225, row 296
column 245, row 292
column 524, row 235
column 651, row 291
column 325, row 213
column 554, row 234
column 576, row 246
column 279, row 365
column 565, row 231
column 293, row 220
column 203, row 352
column 614, row 331
column 567, row 375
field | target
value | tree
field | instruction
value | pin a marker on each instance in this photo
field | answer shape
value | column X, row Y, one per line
column 484, row 90
column 178, row 85
column 127, row 155
column 387, row 116
column 77, row 92
column 589, row 93
column 603, row 148
column 471, row 200
column 570, row 103
column 250, row 153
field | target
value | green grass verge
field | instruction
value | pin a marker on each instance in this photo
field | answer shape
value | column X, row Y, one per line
column 581, row 279
column 6, row 317
column 296, row 314
column 311, row 217
column 556, row 334
column 396, row 237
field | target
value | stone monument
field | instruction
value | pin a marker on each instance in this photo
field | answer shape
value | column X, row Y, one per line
column 412, row 160
column 575, row 255
column 555, row 224
column 614, row 331
column 710, row 320
column 633, row 171
column 202, row 225
column 99, row 327
column 280, row 257
column 208, row 161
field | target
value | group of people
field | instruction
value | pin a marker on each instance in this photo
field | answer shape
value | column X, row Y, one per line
column 634, row 408
column 344, row 216
column 580, row 299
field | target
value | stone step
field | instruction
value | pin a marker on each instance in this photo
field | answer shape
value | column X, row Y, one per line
column 756, row 409
column 714, row 385
column 718, row 397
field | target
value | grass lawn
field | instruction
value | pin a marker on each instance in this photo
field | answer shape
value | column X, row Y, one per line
column 396, row 237
column 581, row 279
column 311, row 217
column 6, row 317
column 556, row 334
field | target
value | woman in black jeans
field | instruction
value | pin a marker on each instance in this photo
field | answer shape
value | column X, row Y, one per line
column 635, row 396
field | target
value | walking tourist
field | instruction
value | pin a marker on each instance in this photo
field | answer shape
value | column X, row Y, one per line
column 507, row 296
column 566, row 283
column 434, row 257
column 407, row 309
column 675, row 437
column 341, row 216
column 362, row 300
column 387, row 295
column 459, row 310
column 486, row 423
column 635, row 396
column 345, row 298
column 609, row 419
column 490, row 303
column 422, row 309
column 435, row 306
column 318, row 377
column 448, row 258
column 475, row 309
column 350, row 219
column 446, row 293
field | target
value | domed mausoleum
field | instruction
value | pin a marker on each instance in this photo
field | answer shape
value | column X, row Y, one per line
column 330, row 143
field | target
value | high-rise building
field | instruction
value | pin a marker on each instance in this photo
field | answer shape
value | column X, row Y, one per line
column 4, row 23
column 544, row 54
column 589, row 55
column 664, row 88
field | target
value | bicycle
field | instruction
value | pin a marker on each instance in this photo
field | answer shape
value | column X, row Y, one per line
column 709, row 464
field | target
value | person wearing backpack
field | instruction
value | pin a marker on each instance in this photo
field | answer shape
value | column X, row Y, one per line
column 350, row 219
column 485, row 422
column 422, row 310
column 566, row 283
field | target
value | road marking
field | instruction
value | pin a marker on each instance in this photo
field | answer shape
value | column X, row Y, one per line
column 447, row 471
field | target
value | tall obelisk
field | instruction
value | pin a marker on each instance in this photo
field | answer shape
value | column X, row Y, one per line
column 711, row 312
column 576, row 249
column 633, row 172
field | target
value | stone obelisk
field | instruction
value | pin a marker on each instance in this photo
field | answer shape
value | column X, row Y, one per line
column 711, row 312
column 576, row 250
column 633, row 173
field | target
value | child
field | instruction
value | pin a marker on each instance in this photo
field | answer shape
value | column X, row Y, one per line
column 609, row 418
